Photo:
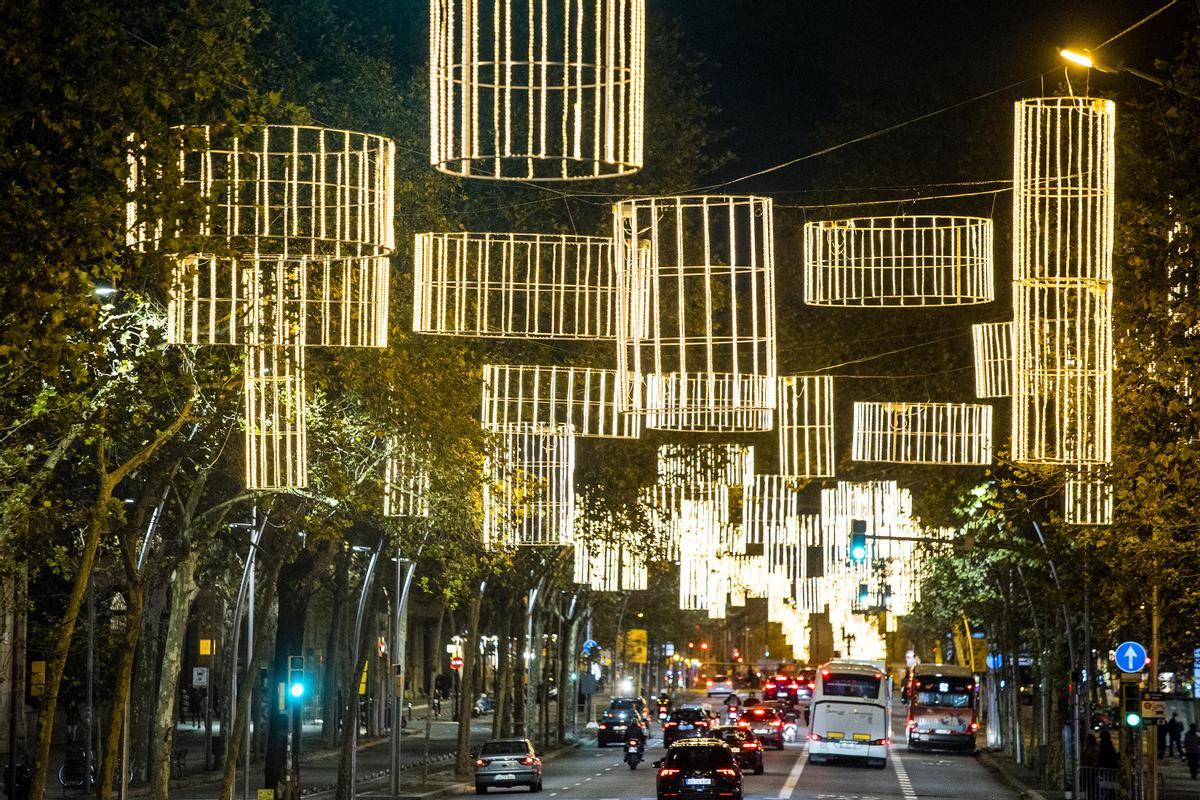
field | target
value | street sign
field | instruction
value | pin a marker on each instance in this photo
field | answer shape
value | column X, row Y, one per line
column 1131, row 657
column 589, row 646
column 1196, row 673
column 635, row 646
column 456, row 662
column 199, row 677
column 1154, row 706
column 266, row 794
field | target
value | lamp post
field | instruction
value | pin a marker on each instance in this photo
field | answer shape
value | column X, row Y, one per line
column 1083, row 58
column 404, row 575
column 358, row 630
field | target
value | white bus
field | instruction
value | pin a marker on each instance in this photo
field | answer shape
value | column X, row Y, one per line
column 851, row 713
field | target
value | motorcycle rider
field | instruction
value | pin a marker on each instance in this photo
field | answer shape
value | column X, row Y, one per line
column 636, row 731
column 733, row 705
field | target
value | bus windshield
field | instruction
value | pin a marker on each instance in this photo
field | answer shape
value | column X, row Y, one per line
column 944, row 692
column 847, row 684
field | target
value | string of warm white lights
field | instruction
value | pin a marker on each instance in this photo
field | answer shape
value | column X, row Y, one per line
column 923, row 433
column 276, row 436
column 915, row 261
column 699, row 278
column 407, row 481
column 1087, row 496
column 806, row 426
column 993, row 343
column 515, row 285
column 537, row 89
column 701, row 465
column 769, row 502
column 587, row 399
column 529, row 487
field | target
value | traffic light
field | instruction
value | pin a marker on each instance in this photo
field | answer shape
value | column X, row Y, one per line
column 704, row 645
column 1131, row 704
column 296, row 685
column 858, row 540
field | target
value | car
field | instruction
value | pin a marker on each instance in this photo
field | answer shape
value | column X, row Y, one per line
column 699, row 768
column 718, row 684
column 765, row 723
column 614, row 724
column 686, row 723
column 506, row 763
column 806, row 679
column 780, row 687
column 746, row 747
column 637, row 704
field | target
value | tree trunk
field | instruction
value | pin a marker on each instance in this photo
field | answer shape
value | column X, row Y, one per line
column 289, row 641
column 504, row 674
column 183, row 592
column 145, row 691
column 567, row 689
column 250, row 677
column 120, row 703
column 350, row 713
column 466, row 696
column 519, row 677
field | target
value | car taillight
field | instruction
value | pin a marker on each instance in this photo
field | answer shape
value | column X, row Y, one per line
column 777, row 723
column 743, row 724
column 750, row 746
column 881, row 741
column 668, row 724
column 709, row 683
column 912, row 724
column 816, row 737
column 479, row 762
column 667, row 772
column 701, row 724
column 603, row 727
column 974, row 726
column 527, row 761
column 732, row 773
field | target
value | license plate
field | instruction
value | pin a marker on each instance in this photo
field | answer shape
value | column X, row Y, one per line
column 685, row 727
column 698, row 781
column 736, row 749
column 618, row 727
column 862, row 737
column 835, row 735
column 942, row 730
column 762, row 730
column 506, row 776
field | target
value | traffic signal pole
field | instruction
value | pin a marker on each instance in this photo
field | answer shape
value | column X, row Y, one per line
column 1152, row 759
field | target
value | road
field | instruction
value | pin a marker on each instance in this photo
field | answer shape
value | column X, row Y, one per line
column 595, row 774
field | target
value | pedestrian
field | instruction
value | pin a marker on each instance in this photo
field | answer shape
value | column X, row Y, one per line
column 435, row 705
column 1107, row 757
column 1090, row 756
column 443, row 683
column 1161, row 736
column 1174, row 728
column 74, row 718
column 1191, row 749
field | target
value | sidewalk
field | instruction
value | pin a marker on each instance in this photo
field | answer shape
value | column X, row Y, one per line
column 1177, row 784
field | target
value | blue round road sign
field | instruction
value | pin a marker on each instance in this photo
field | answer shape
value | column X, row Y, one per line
column 1131, row 657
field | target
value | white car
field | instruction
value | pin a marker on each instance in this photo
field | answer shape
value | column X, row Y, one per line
column 719, row 684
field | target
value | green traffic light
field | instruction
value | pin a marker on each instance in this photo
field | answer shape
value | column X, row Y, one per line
column 1133, row 719
column 297, row 690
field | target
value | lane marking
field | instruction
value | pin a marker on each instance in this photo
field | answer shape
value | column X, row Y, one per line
column 793, row 778
column 906, row 787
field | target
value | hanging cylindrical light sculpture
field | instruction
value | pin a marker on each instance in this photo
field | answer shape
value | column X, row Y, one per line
column 1063, row 222
column 898, row 262
column 275, row 431
column 993, row 358
column 806, row 426
column 406, row 482
column 923, row 433
column 515, row 285
column 529, row 487
column 535, row 90
column 587, row 399
column 699, row 272
column 1087, row 497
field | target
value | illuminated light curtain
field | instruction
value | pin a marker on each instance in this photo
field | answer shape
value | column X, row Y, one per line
column 704, row 464
column 515, row 286
column 1087, row 497
column 276, row 438
column 806, row 426
column 699, row 280
column 896, row 262
column 583, row 397
column 769, row 502
column 536, row 90
column 1063, row 223
column 993, row 358
column 923, row 433
column 406, row 483
column 529, row 487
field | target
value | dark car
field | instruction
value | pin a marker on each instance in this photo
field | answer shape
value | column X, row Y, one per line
column 780, row 687
column 806, row 680
column 699, row 768
column 637, row 704
column 506, row 763
column 686, row 723
column 765, row 723
column 615, row 724
column 746, row 747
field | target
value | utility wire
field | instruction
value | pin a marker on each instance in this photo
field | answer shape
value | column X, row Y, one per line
column 1134, row 26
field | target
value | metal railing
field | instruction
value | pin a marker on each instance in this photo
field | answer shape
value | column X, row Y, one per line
column 1096, row 783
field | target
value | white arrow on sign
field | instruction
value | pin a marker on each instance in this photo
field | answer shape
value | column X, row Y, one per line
column 1134, row 658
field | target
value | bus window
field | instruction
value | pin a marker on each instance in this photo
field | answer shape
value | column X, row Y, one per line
column 944, row 693
column 843, row 684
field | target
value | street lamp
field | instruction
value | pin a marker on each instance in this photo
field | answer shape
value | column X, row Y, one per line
column 1084, row 58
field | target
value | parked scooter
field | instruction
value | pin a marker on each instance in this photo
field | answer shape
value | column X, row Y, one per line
column 633, row 753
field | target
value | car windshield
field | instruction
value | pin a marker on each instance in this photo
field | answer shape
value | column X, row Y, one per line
column 505, row 749
column 944, row 693
column 720, row 679
column 699, row 757
column 621, row 704
column 687, row 715
column 843, row 684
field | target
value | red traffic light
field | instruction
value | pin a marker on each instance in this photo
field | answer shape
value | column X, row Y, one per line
column 456, row 662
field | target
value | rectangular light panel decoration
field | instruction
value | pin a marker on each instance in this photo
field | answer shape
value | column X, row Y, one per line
column 532, row 90
column 897, row 262
column 406, row 480
column 698, row 277
column 769, row 502
column 583, row 397
column 275, row 431
column 923, row 433
column 806, row 426
column 1063, row 221
column 515, row 286
column 993, row 358
column 1087, row 497
column 698, row 465
column 529, row 487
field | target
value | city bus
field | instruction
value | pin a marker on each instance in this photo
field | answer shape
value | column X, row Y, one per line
column 851, row 714
column 942, row 708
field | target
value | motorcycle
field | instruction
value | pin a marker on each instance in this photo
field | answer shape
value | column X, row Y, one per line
column 664, row 711
column 633, row 753
column 732, row 715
